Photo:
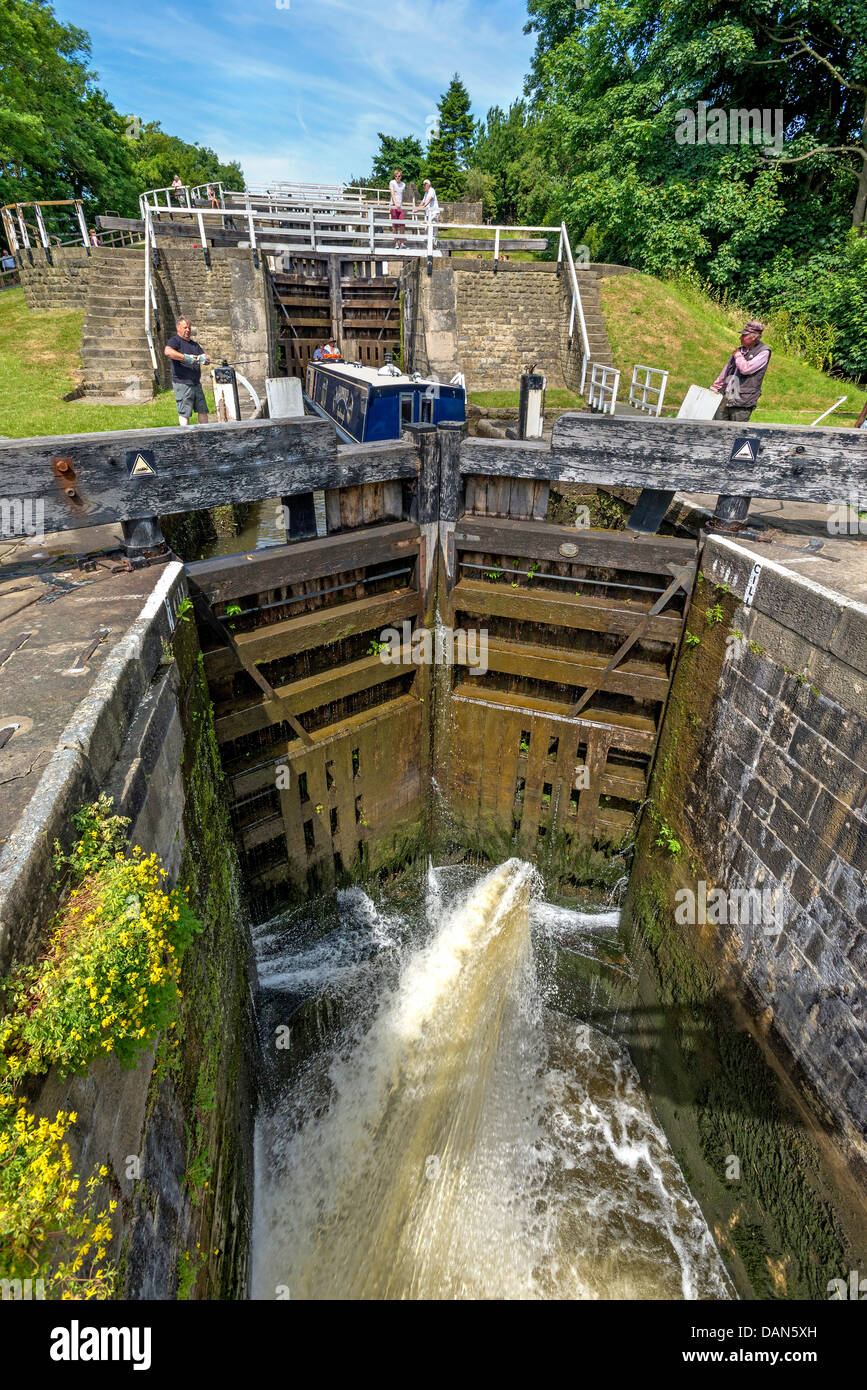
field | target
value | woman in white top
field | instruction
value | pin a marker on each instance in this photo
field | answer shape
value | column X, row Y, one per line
column 430, row 206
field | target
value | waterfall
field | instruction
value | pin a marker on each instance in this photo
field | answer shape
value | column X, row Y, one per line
column 450, row 1149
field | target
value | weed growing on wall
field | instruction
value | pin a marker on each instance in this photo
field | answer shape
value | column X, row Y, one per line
column 108, row 983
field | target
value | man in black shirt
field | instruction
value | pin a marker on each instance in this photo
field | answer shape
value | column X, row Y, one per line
column 187, row 358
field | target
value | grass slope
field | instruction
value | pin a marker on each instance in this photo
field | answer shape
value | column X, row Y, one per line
column 38, row 357
column 669, row 324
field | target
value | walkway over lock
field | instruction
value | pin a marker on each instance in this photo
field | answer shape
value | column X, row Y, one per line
column 552, row 741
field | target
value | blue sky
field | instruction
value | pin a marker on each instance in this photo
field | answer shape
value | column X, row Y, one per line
column 299, row 93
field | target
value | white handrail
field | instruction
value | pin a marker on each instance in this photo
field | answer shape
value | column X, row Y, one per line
column 576, row 304
column 150, row 294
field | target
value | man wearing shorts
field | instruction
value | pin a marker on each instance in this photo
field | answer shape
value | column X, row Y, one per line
column 396, row 191
column 187, row 358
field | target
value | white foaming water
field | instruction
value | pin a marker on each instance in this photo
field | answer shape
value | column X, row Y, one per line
column 469, row 1143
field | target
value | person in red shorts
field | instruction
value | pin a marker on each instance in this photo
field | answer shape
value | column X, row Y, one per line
column 396, row 190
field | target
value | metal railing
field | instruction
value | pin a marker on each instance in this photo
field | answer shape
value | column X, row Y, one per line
column 19, row 230
column 604, row 383
column 647, row 394
column 577, row 306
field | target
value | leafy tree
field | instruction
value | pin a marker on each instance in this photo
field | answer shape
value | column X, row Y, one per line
column 606, row 85
column 479, row 188
column 504, row 149
column 402, row 152
column 61, row 137
column 156, row 157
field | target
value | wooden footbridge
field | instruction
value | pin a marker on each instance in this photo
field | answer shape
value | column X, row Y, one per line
column 551, row 742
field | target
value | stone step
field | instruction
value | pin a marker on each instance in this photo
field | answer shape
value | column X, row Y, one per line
column 123, row 301
column 94, row 328
column 134, row 386
column 117, row 362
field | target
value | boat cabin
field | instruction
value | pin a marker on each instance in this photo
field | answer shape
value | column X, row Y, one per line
column 370, row 403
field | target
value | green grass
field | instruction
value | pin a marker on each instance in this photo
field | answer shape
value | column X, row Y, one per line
column 39, row 354
column 487, row 234
column 557, row 398
column 672, row 325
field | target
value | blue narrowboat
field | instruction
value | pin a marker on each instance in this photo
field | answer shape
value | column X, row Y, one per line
column 369, row 403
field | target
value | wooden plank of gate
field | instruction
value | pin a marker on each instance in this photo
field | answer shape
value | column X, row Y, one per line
column 598, row 743
column 582, row 611
column 602, row 549
column 681, row 580
column 317, row 628
column 641, row 680
column 231, row 576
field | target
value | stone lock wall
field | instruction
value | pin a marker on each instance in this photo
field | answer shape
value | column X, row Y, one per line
column 489, row 325
column 229, row 303
column 506, row 321
column 750, row 1031
column 60, row 284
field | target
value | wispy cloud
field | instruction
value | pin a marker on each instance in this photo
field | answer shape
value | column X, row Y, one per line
column 303, row 91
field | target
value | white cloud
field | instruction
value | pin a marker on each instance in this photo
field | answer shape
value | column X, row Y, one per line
column 309, row 86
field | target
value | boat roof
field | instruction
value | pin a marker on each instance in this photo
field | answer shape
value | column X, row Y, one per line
column 373, row 377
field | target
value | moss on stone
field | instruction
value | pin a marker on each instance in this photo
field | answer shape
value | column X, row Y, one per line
column 707, row 1076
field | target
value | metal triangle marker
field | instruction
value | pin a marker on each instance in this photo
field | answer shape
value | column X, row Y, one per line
column 141, row 467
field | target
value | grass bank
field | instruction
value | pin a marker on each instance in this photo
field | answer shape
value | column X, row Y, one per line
column 39, row 355
column 673, row 325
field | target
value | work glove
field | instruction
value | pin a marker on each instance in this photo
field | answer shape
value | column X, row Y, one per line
column 191, row 359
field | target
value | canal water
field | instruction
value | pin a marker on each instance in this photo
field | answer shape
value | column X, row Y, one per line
column 435, row 1129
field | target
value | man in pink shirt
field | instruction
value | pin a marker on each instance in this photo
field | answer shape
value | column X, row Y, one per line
column 740, row 380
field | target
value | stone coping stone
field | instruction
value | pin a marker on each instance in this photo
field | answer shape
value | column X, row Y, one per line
column 829, row 619
column 84, row 753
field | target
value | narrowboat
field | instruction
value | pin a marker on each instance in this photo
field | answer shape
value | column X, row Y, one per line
column 370, row 403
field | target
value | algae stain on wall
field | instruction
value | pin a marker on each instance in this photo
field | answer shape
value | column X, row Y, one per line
column 780, row 1223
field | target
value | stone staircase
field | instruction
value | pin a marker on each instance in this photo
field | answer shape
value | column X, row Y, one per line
column 600, row 348
column 114, row 349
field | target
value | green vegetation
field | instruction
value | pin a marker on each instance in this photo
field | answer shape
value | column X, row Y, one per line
column 109, row 979
column 38, row 357
column 678, row 325
column 62, row 137
column 556, row 398
column 108, row 983
column 773, row 228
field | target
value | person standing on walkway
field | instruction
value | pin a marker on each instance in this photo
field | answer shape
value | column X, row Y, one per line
column 187, row 358
column 430, row 206
column 396, row 190
column 740, row 380
column 861, row 422
column 177, row 188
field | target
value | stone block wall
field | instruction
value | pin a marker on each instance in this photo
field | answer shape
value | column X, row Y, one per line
column 749, row 1029
column 462, row 211
column 506, row 321
column 62, row 284
column 782, row 801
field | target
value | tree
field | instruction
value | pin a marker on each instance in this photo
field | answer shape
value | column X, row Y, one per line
column 61, row 137
column 451, row 142
column 607, row 85
column 823, row 68
column 156, row 157
column 402, row 152
column 504, row 150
